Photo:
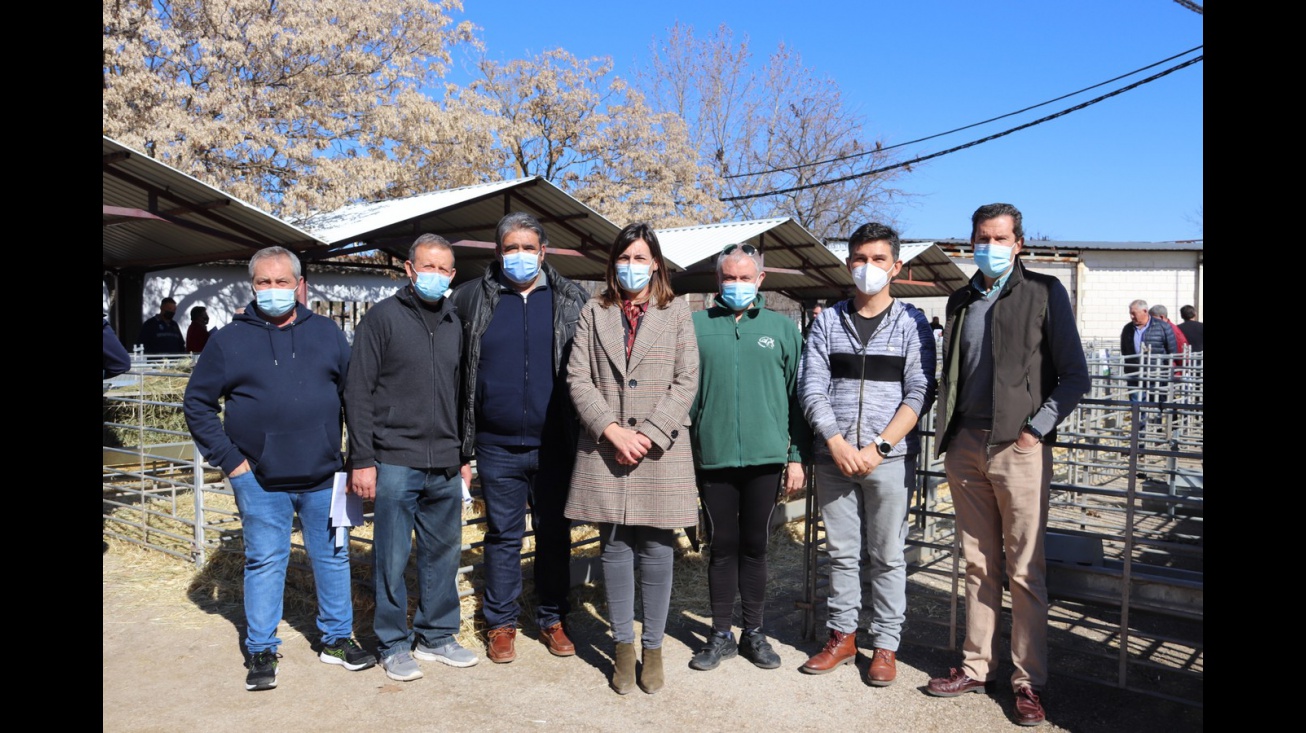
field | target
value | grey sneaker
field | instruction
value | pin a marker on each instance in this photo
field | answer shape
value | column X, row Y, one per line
column 451, row 653
column 347, row 653
column 401, row 666
column 262, row 671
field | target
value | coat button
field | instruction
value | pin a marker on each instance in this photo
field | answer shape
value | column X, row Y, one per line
column 633, row 384
column 632, row 421
column 675, row 434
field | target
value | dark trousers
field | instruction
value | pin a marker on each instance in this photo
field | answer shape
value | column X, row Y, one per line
column 514, row 479
column 739, row 504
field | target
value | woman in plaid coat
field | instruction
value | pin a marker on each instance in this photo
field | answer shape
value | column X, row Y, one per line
column 632, row 375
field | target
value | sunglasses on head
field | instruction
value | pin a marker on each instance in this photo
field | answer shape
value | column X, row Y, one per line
column 747, row 248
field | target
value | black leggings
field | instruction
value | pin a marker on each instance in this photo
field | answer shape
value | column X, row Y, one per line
column 739, row 504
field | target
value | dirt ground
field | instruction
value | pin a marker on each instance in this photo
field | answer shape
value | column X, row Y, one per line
column 172, row 661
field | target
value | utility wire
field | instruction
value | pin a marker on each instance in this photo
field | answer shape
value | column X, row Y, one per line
column 1191, row 6
column 967, row 127
column 921, row 159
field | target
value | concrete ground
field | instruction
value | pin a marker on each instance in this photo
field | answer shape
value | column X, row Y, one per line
column 171, row 663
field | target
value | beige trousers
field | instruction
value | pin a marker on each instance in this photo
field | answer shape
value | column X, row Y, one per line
column 1002, row 510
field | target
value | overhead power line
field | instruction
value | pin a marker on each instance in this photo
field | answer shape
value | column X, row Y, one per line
column 967, row 127
column 921, row 159
column 1191, row 6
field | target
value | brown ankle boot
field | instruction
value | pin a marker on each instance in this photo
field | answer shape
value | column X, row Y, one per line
column 623, row 669
column 840, row 649
column 650, row 676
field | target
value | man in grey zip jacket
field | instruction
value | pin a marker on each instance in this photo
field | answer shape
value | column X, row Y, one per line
column 867, row 375
column 401, row 407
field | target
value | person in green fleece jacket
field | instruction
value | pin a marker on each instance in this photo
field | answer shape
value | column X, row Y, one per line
column 748, row 434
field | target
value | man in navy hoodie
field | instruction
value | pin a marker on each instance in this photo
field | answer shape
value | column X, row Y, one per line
column 401, row 404
column 277, row 373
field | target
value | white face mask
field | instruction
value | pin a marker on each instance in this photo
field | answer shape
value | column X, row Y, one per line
column 870, row 279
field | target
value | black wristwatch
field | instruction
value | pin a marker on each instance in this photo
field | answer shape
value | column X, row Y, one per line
column 882, row 445
column 1034, row 431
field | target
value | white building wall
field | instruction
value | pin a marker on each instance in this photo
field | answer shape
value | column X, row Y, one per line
column 1114, row 279
column 224, row 289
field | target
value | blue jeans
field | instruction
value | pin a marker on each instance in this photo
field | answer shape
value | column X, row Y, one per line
column 266, row 518
column 513, row 478
column 430, row 502
column 865, row 521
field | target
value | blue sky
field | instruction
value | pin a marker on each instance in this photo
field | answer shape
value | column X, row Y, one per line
column 1128, row 168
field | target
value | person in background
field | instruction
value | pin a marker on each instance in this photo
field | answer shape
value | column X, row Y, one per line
column 197, row 333
column 116, row 359
column 518, row 422
column 1191, row 327
column 405, row 440
column 750, row 443
column 867, row 376
column 1013, row 369
column 1141, row 337
column 633, row 375
column 160, row 333
column 276, row 374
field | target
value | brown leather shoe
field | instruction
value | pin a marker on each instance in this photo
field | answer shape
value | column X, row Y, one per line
column 555, row 638
column 840, row 649
column 884, row 668
column 956, row 683
column 500, row 647
column 1029, row 710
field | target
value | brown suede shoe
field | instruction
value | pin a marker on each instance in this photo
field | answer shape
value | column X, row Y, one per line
column 840, row 649
column 884, row 668
column 956, row 683
column 499, row 644
column 1029, row 710
column 555, row 638
column 623, row 669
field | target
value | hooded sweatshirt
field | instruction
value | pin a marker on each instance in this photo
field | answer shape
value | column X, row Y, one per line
column 279, row 389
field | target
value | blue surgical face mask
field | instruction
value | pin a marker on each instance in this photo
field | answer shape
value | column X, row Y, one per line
column 275, row 302
column 634, row 277
column 431, row 285
column 738, row 296
column 993, row 259
column 521, row 267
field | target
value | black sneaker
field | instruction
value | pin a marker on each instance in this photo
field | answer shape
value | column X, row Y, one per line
column 755, row 648
column 262, row 671
column 719, row 646
column 347, row 653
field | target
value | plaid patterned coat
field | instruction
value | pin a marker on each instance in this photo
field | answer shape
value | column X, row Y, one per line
column 651, row 394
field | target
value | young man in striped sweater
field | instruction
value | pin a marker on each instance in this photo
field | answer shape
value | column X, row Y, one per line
column 867, row 375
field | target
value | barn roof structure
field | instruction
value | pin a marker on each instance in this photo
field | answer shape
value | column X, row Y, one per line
column 798, row 264
column 579, row 237
column 156, row 217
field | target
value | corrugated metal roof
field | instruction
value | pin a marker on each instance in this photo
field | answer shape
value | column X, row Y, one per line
column 927, row 271
column 579, row 237
column 156, row 217
column 796, row 262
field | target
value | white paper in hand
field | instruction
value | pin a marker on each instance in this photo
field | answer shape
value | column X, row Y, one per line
column 346, row 508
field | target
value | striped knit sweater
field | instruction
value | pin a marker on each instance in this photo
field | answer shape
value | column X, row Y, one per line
column 854, row 389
